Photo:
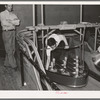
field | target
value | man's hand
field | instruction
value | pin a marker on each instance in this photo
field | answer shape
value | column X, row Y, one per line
column 66, row 47
column 14, row 21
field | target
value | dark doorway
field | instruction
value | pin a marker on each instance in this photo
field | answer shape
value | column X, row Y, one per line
column 2, row 50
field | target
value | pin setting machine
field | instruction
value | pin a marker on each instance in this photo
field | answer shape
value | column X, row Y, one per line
column 71, row 70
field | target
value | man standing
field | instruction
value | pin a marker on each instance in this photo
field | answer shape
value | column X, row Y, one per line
column 9, row 21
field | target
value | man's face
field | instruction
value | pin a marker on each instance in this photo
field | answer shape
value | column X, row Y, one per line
column 9, row 7
column 53, row 46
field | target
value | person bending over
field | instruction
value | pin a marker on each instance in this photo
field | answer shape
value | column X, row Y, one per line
column 52, row 42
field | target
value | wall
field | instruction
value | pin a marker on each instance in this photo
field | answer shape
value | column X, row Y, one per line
column 24, row 12
column 91, row 13
column 54, row 14
column 2, row 52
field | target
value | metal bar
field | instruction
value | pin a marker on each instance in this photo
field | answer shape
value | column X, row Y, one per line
column 81, row 9
column 79, row 32
column 42, row 15
column 80, row 19
column 83, row 47
column 49, row 33
column 33, row 14
column 98, row 30
column 94, row 75
column 63, row 27
column 42, row 47
column 95, row 39
column 42, row 23
column 22, row 68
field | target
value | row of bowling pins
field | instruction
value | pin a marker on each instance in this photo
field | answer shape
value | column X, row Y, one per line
column 76, row 72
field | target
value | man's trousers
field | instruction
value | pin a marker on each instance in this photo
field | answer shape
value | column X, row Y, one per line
column 9, row 43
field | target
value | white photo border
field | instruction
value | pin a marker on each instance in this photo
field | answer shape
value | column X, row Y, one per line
column 19, row 94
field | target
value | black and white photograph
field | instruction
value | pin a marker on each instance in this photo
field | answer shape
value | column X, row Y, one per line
column 50, row 47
